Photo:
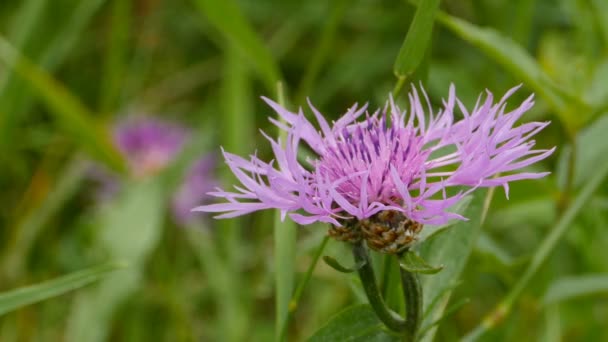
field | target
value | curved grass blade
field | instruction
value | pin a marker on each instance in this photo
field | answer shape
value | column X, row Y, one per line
column 227, row 18
column 571, row 287
column 35, row 293
column 71, row 114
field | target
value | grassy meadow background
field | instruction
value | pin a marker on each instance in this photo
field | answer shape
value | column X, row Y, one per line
column 70, row 70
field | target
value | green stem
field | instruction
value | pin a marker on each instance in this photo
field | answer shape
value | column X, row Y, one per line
column 293, row 304
column 411, row 288
column 412, row 292
column 398, row 87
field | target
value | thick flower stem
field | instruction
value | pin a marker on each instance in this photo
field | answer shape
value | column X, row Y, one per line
column 412, row 291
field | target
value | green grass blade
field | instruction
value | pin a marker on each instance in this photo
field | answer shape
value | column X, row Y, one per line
column 417, row 39
column 35, row 293
column 25, row 21
column 570, row 109
column 71, row 114
column 15, row 95
column 322, row 51
column 115, row 56
column 575, row 286
column 227, row 18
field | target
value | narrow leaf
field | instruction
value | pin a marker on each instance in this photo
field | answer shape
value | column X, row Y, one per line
column 412, row 262
column 32, row 294
column 71, row 114
column 567, row 288
column 227, row 18
column 333, row 263
column 417, row 39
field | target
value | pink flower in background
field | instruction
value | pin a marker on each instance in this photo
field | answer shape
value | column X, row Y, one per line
column 149, row 145
column 193, row 191
column 417, row 163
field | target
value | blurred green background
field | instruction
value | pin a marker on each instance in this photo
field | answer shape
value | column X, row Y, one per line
column 70, row 70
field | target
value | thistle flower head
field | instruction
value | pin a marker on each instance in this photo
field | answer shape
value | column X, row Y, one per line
column 415, row 163
column 149, row 145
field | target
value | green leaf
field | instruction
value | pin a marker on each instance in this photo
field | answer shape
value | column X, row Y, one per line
column 128, row 228
column 333, row 263
column 451, row 249
column 227, row 18
column 71, row 114
column 567, row 288
column 115, row 56
column 15, row 95
column 322, row 50
column 592, row 148
column 21, row 297
column 570, row 109
column 412, row 262
column 417, row 39
column 357, row 323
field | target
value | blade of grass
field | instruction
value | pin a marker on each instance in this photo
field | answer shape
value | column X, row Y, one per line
column 285, row 234
column 496, row 316
column 227, row 18
column 115, row 55
column 35, row 293
column 16, row 100
column 416, row 42
column 575, row 286
column 71, row 114
column 322, row 51
column 236, row 127
column 220, row 281
column 24, row 23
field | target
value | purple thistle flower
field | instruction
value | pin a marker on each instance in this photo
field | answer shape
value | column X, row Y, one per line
column 389, row 161
column 193, row 190
column 149, row 145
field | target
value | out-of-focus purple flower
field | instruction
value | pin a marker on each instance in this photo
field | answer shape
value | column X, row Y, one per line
column 193, row 190
column 388, row 161
column 148, row 144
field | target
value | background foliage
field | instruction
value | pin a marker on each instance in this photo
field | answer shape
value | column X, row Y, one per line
column 70, row 69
